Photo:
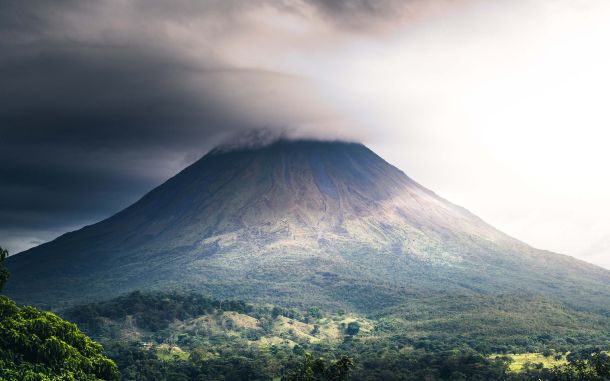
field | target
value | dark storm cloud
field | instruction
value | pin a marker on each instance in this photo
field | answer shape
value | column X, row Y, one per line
column 100, row 101
column 365, row 14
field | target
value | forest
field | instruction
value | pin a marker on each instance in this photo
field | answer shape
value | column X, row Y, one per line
column 148, row 336
column 186, row 336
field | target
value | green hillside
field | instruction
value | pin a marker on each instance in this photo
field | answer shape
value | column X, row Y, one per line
column 153, row 333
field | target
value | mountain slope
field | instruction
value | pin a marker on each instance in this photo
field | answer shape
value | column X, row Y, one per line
column 299, row 223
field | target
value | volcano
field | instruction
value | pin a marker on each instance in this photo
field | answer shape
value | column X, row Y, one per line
column 298, row 223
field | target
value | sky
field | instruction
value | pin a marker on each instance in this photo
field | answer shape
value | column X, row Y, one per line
column 497, row 106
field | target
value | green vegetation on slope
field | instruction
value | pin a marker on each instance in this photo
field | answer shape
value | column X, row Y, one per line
column 40, row 346
column 36, row 345
column 174, row 336
column 522, row 361
column 502, row 324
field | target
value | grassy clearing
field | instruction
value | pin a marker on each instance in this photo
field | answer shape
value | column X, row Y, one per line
column 520, row 360
column 168, row 352
column 241, row 320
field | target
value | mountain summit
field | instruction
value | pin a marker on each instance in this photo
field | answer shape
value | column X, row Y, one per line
column 298, row 223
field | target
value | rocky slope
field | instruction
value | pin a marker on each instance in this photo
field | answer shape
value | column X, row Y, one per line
column 299, row 223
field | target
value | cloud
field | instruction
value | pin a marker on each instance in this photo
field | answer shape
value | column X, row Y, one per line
column 488, row 103
column 103, row 100
column 378, row 16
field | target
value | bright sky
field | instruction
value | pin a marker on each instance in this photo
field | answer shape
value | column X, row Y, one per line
column 500, row 107
column 506, row 112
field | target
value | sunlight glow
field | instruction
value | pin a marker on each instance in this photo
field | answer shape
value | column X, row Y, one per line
column 502, row 109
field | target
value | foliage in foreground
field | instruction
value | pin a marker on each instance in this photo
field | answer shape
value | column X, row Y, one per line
column 36, row 345
column 40, row 346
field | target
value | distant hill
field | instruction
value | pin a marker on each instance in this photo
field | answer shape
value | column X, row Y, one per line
column 301, row 223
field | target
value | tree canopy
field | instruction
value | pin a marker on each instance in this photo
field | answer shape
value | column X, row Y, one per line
column 37, row 345
column 4, row 274
column 40, row 346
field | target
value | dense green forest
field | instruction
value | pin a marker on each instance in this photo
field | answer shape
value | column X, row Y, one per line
column 186, row 336
column 171, row 336
column 40, row 346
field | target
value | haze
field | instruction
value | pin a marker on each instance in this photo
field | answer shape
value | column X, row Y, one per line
column 497, row 107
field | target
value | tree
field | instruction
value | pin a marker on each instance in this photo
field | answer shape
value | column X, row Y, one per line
column 316, row 330
column 583, row 365
column 37, row 345
column 352, row 328
column 4, row 274
column 339, row 370
column 588, row 365
column 311, row 369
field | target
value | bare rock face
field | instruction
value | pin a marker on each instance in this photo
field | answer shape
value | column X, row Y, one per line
column 298, row 223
